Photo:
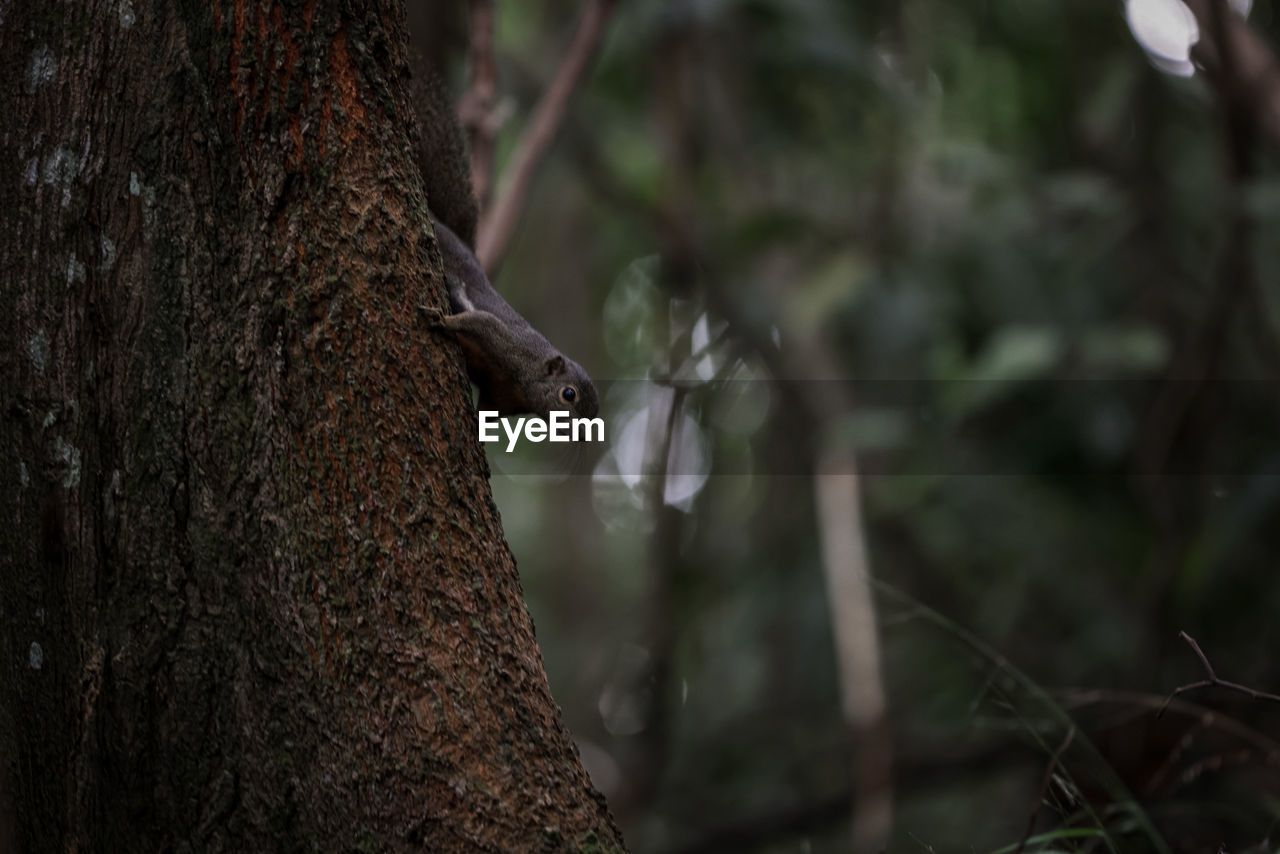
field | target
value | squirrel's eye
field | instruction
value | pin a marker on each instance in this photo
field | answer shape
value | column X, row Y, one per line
column 568, row 394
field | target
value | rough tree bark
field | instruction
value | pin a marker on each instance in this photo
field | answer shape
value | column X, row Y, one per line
column 254, row 593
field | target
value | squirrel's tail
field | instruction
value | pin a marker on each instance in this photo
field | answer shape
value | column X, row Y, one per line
column 442, row 156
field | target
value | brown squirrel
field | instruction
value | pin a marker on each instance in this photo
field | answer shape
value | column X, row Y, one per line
column 516, row 369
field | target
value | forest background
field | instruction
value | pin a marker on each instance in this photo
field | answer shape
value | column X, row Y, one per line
column 1019, row 268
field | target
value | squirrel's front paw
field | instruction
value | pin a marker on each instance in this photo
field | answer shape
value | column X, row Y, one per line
column 436, row 319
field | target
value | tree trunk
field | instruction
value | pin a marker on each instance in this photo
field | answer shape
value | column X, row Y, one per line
column 254, row 593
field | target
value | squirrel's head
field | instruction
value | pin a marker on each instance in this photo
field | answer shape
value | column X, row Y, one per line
column 565, row 385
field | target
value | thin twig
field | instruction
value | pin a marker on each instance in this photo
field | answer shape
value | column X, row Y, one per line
column 476, row 110
column 498, row 223
column 1044, row 788
column 1213, row 679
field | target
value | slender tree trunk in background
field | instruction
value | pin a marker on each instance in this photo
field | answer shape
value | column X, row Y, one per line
column 254, row 593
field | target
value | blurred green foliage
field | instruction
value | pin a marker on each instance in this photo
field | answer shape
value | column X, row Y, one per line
column 1029, row 244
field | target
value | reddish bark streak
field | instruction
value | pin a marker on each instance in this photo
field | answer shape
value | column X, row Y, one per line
column 259, row 70
column 345, row 82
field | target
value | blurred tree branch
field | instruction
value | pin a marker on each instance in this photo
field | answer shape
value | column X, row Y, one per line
column 1239, row 62
column 1247, row 79
column 846, row 568
column 818, row 414
column 847, row 571
column 498, row 222
column 836, row 493
column 477, row 111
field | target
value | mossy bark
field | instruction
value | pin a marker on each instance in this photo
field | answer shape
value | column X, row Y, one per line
column 254, row 593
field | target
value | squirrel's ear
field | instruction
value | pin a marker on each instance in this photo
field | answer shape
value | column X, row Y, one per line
column 555, row 365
